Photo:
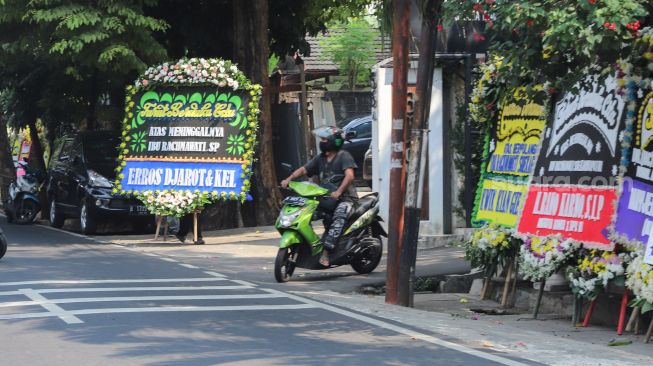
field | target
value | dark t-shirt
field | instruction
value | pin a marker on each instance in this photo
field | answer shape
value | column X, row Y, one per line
column 337, row 166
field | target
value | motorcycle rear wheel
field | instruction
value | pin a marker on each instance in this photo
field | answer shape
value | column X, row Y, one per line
column 3, row 245
column 368, row 259
column 26, row 212
column 283, row 266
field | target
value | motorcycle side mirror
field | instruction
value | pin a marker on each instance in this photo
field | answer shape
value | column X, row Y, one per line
column 350, row 135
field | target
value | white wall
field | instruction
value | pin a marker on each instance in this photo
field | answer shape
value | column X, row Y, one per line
column 381, row 148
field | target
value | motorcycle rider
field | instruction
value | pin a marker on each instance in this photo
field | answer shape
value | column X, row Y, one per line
column 331, row 161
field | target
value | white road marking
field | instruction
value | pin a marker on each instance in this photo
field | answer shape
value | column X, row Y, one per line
column 151, row 254
column 138, row 298
column 188, row 265
column 169, row 260
column 117, row 246
column 162, row 310
column 216, row 274
column 245, row 283
column 9, row 293
column 52, row 308
column 16, row 304
column 81, row 282
column 120, row 289
column 401, row 330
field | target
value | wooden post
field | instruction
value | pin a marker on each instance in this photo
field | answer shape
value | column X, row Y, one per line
column 158, row 227
column 648, row 332
column 195, row 226
column 539, row 299
column 506, row 285
column 622, row 312
column 513, row 293
column 487, row 283
column 165, row 230
column 633, row 321
column 588, row 315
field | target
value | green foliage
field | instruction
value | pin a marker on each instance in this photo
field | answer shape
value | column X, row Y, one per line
column 107, row 34
column 351, row 46
column 552, row 42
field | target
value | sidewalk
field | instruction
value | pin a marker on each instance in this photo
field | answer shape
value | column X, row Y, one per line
column 550, row 340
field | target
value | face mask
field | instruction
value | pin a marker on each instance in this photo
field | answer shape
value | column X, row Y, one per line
column 324, row 146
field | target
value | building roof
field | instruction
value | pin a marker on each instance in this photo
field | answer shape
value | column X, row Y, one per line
column 317, row 65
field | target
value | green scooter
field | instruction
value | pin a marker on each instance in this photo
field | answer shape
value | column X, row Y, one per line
column 360, row 244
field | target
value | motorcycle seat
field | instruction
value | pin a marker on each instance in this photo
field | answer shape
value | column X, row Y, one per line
column 364, row 204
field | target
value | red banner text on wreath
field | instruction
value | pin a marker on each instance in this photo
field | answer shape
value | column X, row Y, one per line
column 575, row 212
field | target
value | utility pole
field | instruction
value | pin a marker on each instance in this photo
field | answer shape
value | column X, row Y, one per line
column 418, row 152
column 400, row 30
column 306, row 126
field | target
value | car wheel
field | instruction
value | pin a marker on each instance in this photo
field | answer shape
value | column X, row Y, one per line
column 86, row 220
column 56, row 218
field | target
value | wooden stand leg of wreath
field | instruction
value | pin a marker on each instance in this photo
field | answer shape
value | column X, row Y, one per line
column 513, row 292
column 539, row 299
column 487, row 283
column 165, row 229
column 506, row 284
column 159, row 221
column 648, row 332
column 195, row 236
column 633, row 321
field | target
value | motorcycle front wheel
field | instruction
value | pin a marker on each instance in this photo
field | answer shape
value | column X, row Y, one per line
column 26, row 212
column 284, row 265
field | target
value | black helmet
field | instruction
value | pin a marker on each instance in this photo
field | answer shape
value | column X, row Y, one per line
column 333, row 136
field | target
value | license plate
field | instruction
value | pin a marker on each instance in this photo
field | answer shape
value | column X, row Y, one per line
column 138, row 210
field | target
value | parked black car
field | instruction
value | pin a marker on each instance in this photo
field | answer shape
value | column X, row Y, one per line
column 80, row 182
column 359, row 137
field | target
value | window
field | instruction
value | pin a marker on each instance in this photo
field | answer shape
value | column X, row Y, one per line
column 364, row 130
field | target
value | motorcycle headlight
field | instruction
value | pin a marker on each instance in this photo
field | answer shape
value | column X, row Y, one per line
column 287, row 219
column 97, row 180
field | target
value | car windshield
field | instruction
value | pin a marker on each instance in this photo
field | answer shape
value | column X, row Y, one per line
column 101, row 154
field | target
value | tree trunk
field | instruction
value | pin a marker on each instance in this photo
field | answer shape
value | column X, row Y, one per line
column 251, row 51
column 7, row 171
column 36, row 150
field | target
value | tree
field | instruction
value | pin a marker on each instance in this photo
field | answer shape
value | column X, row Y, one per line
column 351, row 46
column 251, row 51
column 551, row 42
column 99, row 42
column 7, row 172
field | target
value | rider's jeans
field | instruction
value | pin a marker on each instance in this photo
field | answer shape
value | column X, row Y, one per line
column 339, row 218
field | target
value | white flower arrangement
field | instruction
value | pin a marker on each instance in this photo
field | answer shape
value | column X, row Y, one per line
column 172, row 202
column 639, row 279
column 194, row 71
column 540, row 257
column 595, row 269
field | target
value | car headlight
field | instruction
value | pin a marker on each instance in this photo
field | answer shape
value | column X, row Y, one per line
column 97, row 180
column 286, row 220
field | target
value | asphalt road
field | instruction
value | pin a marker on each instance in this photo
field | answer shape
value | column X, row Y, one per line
column 68, row 300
